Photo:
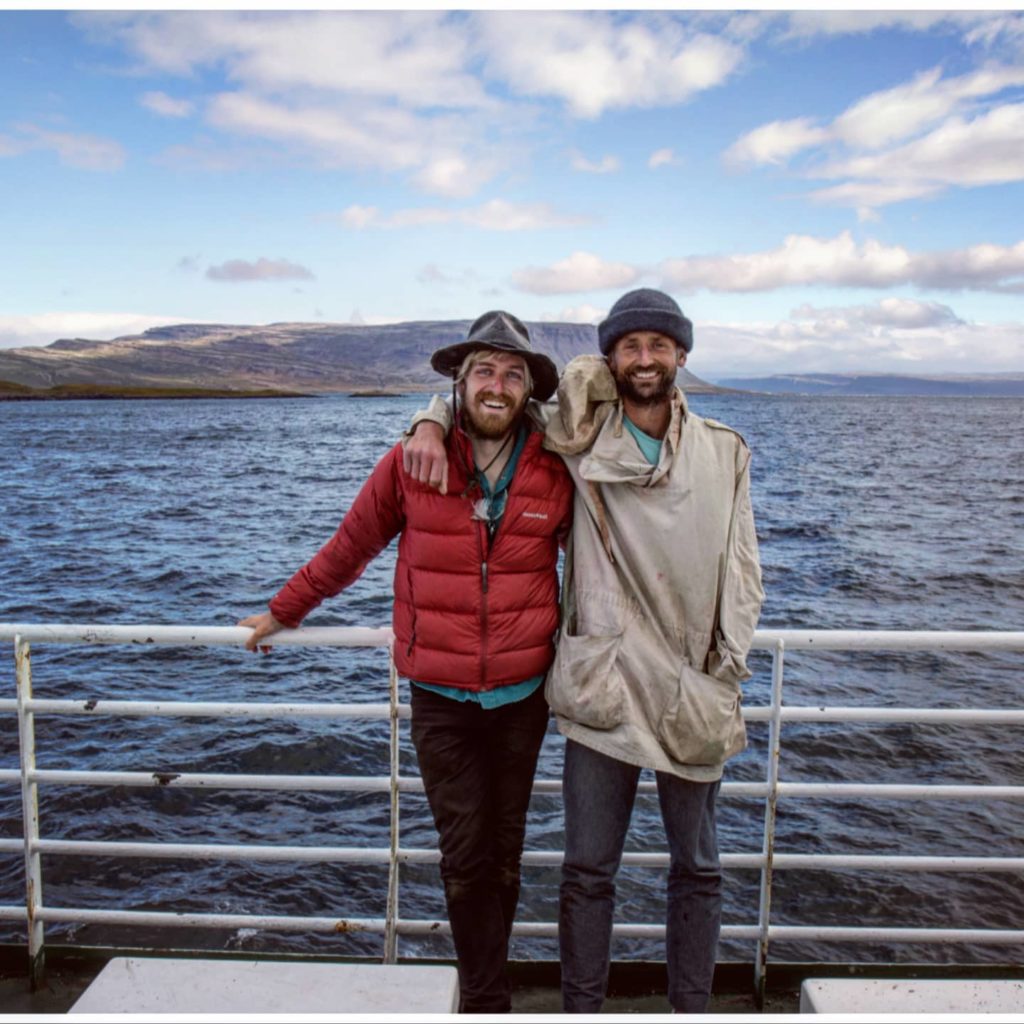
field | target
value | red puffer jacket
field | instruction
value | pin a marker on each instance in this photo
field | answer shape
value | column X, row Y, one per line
column 467, row 613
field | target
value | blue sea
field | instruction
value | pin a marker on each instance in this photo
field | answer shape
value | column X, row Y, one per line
column 872, row 513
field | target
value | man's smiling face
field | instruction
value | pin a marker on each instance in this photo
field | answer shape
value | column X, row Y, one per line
column 644, row 365
column 495, row 393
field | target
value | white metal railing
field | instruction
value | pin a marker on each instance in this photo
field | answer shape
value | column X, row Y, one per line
column 37, row 913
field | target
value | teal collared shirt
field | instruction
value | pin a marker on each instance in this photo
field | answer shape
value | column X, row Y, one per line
column 649, row 446
column 496, row 499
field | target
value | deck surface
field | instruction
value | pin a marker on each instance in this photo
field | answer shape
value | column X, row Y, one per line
column 66, row 981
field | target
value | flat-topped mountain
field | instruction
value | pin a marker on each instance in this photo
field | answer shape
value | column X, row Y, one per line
column 306, row 357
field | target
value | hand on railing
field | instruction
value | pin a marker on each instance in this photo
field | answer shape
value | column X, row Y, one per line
column 262, row 626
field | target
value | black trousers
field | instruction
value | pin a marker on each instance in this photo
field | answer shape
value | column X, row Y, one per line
column 477, row 767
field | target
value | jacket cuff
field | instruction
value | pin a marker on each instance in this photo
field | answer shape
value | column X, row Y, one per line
column 727, row 664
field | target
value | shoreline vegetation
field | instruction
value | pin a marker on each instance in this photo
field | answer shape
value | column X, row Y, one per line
column 11, row 392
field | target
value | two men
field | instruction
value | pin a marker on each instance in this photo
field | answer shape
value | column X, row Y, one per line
column 475, row 615
column 661, row 598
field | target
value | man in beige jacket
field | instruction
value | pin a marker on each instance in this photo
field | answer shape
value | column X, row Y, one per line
column 661, row 596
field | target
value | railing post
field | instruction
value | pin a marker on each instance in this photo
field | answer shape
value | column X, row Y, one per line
column 768, row 846
column 30, row 812
column 391, row 910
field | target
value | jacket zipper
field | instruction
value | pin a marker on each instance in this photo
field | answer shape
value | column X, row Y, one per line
column 481, row 532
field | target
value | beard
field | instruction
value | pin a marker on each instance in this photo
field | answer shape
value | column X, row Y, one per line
column 649, row 393
column 490, row 424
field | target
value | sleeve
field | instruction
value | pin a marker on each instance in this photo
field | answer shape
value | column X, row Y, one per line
column 587, row 395
column 375, row 518
column 438, row 412
column 740, row 591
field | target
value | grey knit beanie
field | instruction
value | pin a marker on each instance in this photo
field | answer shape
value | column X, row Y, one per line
column 645, row 309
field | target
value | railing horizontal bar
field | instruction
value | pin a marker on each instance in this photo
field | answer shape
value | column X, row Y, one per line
column 412, row 784
column 535, row 858
column 326, row 924
column 214, row 709
column 886, row 791
column 200, row 709
column 779, row 933
column 352, row 636
column 921, row 716
column 310, row 783
column 188, row 919
column 218, row 851
column 783, row 933
column 317, row 783
column 890, row 639
column 195, row 636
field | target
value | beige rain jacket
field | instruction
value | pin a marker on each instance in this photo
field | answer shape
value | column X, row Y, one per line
column 662, row 586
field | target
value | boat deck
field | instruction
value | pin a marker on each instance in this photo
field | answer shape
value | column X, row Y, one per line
column 635, row 988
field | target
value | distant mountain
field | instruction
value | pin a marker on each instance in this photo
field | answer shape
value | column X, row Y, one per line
column 978, row 385
column 316, row 358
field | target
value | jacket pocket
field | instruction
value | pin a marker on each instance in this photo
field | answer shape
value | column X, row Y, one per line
column 702, row 723
column 583, row 682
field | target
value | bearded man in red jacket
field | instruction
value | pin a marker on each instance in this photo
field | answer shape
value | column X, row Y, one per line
column 475, row 615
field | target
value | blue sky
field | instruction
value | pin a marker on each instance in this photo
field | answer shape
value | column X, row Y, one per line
column 819, row 190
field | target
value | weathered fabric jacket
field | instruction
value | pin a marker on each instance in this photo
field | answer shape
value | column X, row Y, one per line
column 663, row 584
column 468, row 612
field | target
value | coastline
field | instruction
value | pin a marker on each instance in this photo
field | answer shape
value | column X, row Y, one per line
column 88, row 392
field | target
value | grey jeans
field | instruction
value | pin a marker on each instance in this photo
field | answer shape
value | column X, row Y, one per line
column 599, row 792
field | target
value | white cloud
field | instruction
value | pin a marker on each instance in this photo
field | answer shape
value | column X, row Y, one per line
column 395, row 91
column 359, row 217
column 879, row 119
column 44, row 328
column 374, row 137
column 776, row 142
column 813, row 344
column 580, row 272
column 260, row 270
column 494, row 215
column 85, row 152
column 361, row 136
column 867, row 196
column 583, row 314
column 899, row 113
column 803, row 260
column 608, row 164
column 906, row 314
column 452, row 175
column 810, row 24
column 597, row 61
column 432, row 274
column 908, row 142
column 986, row 150
column 166, row 106
column 661, row 158
column 417, row 58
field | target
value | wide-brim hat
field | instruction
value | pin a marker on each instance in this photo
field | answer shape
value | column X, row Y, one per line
column 505, row 333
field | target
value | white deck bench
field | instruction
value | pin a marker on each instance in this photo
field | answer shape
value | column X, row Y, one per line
column 932, row 995
column 158, row 985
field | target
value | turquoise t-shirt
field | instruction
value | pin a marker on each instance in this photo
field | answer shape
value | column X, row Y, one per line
column 650, row 446
column 497, row 498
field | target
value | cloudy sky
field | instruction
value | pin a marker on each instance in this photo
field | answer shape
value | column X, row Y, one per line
column 820, row 191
